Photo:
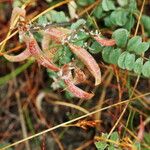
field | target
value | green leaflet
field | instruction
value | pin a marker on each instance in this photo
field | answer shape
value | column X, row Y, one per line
column 119, row 17
column 144, row 46
column 95, row 48
column 98, row 11
column 146, row 23
column 121, row 60
column 138, row 66
column 77, row 24
column 63, row 55
column 122, row 3
column 129, row 61
column 108, row 5
column 130, row 22
column 56, row 16
column 114, row 55
column 108, row 22
column 136, row 45
column 126, row 61
column 84, row 2
column 101, row 145
column 146, row 69
column 106, row 54
column 121, row 36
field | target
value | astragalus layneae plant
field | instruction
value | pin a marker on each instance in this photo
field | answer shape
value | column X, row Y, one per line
column 59, row 36
column 63, row 47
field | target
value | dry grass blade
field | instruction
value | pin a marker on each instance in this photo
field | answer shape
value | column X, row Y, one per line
column 73, row 120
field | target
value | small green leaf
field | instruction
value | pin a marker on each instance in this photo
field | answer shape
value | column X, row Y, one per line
column 106, row 54
column 77, row 24
column 95, row 48
column 138, row 66
column 146, row 69
column 111, row 147
column 42, row 20
column 114, row 136
column 146, row 23
column 114, row 56
column 108, row 22
column 101, row 145
column 108, row 5
column 144, row 46
column 129, row 61
column 122, row 3
column 121, row 60
column 57, row 17
column 133, row 43
column 119, row 17
column 98, row 11
column 132, row 5
column 121, row 37
column 84, row 2
column 130, row 22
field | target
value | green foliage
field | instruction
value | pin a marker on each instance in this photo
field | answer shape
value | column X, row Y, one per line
column 63, row 56
column 108, row 5
column 102, row 145
column 84, row 2
column 138, row 66
column 77, row 24
column 146, row 23
column 106, row 54
column 136, row 45
column 121, row 36
column 146, row 69
column 114, row 56
column 95, row 48
column 119, row 17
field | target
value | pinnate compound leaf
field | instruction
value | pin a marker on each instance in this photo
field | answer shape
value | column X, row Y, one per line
column 108, row 5
column 146, row 69
column 129, row 61
column 121, row 37
column 138, row 66
column 114, row 55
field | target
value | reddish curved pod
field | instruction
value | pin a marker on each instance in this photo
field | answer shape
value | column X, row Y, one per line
column 105, row 42
column 77, row 91
column 36, row 52
column 88, row 60
column 20, row 57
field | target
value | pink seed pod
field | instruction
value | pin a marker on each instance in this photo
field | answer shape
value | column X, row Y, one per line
column 16, row 12
column 77, row 92
column 105, row 42
column 57, row 34
column 36, row 52
column 88, row 60
column 20, row 57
